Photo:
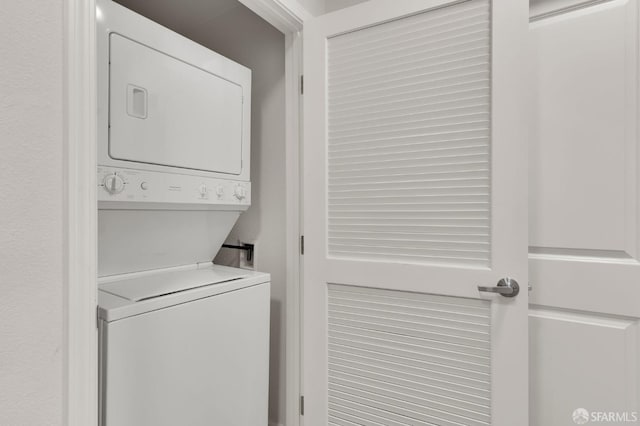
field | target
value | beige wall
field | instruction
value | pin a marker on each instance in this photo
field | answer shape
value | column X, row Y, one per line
column 31, row 213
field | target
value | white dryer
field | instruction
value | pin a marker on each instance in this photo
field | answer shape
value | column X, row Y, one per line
column 185, row 347
column 174, row 119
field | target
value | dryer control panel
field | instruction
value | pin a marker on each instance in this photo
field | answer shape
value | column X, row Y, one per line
column 118, row 185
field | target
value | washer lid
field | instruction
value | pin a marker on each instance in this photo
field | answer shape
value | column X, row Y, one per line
column 156, row 285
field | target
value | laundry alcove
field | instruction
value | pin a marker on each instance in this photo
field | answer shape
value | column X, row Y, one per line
column 232, row 30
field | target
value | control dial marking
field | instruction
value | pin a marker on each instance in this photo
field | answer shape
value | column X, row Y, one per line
column 113, row 184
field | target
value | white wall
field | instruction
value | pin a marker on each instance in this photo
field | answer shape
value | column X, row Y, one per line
column 331, row 5
column 31, row 213
column 315, row 7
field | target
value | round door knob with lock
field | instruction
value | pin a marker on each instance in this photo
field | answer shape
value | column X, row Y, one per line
column 113, row 184
column 507, row 287
column 240, row 192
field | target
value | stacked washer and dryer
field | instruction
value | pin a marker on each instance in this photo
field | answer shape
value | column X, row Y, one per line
column 182, row 341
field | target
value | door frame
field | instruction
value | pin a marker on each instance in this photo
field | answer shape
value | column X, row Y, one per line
column 80, row 370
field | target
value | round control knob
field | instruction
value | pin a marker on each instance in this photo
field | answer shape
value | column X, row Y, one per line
column 240, row 192
column 203, row 190
column 220, row 190
column 114, row 184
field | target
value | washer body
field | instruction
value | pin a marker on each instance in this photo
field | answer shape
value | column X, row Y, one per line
column 185, row 347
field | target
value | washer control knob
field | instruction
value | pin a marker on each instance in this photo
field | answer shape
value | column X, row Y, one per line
column 203, row 190
column 113, row 184
column 240, row 192
column 144, row 186
column 219, row 191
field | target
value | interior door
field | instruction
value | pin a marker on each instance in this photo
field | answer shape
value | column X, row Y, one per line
column 584, row 184
column 415, row 194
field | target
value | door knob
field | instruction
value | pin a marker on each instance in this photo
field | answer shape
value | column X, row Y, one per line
column 508, row 287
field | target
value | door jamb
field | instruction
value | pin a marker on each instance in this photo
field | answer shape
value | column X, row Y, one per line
column 80, row 391
column 80, row 251
column 293, row 303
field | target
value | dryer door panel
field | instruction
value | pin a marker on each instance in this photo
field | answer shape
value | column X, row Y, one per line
column 165, row 111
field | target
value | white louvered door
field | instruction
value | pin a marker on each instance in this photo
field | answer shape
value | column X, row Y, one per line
column 415, row 193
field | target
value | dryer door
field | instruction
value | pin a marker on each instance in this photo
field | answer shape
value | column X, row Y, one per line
column 167, row 112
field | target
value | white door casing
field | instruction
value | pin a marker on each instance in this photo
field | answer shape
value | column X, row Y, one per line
column 415, row 193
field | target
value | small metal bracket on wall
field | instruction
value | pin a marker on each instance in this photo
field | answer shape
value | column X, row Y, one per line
column 246, row 247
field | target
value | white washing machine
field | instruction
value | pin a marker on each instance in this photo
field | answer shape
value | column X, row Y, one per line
column 185, row 347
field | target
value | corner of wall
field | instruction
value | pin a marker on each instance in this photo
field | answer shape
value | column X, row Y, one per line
column 314, row 7
column 333, row 5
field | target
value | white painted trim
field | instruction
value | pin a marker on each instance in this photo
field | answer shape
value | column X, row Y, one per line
column 286, row 15
column 81, row 379
column 81, row 344
column 545, row 9
column 293, row 70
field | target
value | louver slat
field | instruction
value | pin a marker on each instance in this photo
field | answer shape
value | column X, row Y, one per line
column 409, row 139
column 406, row 358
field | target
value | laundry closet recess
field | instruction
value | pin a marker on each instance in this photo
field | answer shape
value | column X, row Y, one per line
column 169, row 206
